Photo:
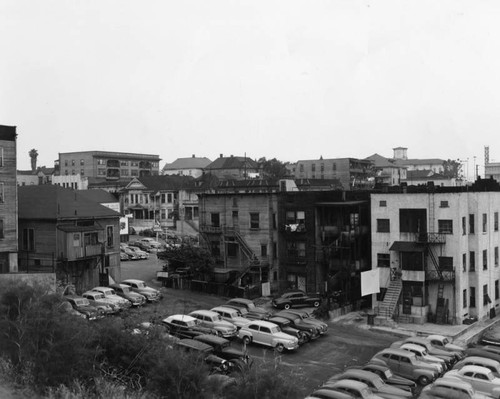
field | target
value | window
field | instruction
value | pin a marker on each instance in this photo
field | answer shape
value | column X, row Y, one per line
column 471, row 224
column 485, row 222
column 28, row 239
column 76, row 240
column 254, row 220
column 124, row 172
column 72, row 162
column 235, row 202
column 1, row 156
column 109, row 236
column 496, row 256
column 334, row 167
column 90, row 239
column 123, row 163
column 497, row 291
column 232, row 249
column 486, row 297
column 383, row 226
column 485, row 259
column 445, row 263
column 444, row 204
column 464, row 298
column 464, row 225
column 383, row 260
column 101, row 172
column 313, row 167
column 382, row 203
column 263, row 250
column 296, row 249
column 215, row 219
column 82, row 162
column 472, row 297
column 322, row 167
column 472, row 261
column 82, row 172
column 99, row 162
column 134, row 163
column 134, row 172
column 445, row 226
column 495, row 222
column 169, row 198
column 464, row 262
column 73, row 172
column 301, row 167
column 275, row 251
column 215, row 248
column 2, row 197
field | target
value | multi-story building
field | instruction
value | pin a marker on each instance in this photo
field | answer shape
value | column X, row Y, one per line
column 352, row 173
column 76, row 182
column 436, row 250
column 240, row 230
column 193, row 166
column 63, row 230
column 233, row 168
column 108, row 165
column 8, row 200
column 401, row 158
column 387, row 173
column 153, row 201
column 324, row 241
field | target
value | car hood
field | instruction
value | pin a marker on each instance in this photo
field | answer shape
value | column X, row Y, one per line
column 453, row 347
column 148, row 290
column 397, row 380
column 234, row 352
column 397, row 392
column 224, row 324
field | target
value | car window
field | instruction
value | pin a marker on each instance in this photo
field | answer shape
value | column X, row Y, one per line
column 265, row 330
column 275, row 330
column 254, row 327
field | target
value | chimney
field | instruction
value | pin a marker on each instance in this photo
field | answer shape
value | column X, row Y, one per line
column 193, row 156
column 222, row 155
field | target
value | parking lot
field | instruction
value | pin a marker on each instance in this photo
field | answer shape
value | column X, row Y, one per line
column 343, row 346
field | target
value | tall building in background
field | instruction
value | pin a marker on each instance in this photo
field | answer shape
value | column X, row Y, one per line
column 108, row 165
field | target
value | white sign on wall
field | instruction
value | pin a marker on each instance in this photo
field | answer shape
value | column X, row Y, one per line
column 370, row 282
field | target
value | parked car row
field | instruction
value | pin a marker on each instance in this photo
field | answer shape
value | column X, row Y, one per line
column 101, row 301
column 394, row 372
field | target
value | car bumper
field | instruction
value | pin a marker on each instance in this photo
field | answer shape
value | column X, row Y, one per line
column 292, row 347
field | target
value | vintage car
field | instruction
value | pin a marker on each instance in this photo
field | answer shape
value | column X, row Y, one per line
column 482, row 379
column 152, row 243
column 388, row 376
column 141, row 245
column 222, row 348
column 216, row 363
column 83, row 306
column 303, row 333
column 268, row 334
column 250, row 306
column 111, row 294
column 490, row 336
column 184, row 326
column 308, row 318
column 449, row 357
column 406, row 364
column 296, row 298
column 126, row 292
column 329, row 394
column 296, row 322
column 139, row 252
column 423, row 356
column 139, row 286
column 296, row 319
column 124, row 248
column 450, row 388
column 491, row 364
column 357, row 389
column 444, row 343
column 231, row 315
column 373, row 381
column 213, row 320
column 98, row 299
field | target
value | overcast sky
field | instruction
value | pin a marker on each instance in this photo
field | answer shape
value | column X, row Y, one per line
column 283, row 79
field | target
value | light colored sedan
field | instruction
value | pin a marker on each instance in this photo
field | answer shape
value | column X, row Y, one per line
column 269, row 334
column 214, row 320
column 231, row 315
column 482, row 379
column 450, row 388
column 110, row 293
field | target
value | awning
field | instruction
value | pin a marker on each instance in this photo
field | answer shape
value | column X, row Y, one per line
column 406, row 246
column 71, row 228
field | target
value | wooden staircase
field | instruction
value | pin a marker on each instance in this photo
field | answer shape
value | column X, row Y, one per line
column 391, row 299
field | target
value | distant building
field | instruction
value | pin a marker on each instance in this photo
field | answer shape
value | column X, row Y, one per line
column 193, row 166
column 108, row 165
column 76, row 182
column 425, row 177
column 401, row 159
column 387, row 173
column 492, row 170
column 233, row 168
column 352, row 173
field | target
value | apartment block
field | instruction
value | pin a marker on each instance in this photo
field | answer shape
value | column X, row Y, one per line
column 437, row 253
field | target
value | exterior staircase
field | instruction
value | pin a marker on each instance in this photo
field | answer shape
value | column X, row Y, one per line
column 391, row 299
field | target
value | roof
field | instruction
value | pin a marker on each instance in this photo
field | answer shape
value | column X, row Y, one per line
column 232, row 162
column 430, row 161
column 112, row 154
column 205, row 312
column 166, row 182
column 8, row 133
column 53, row 202
column 406, row 246
column 382, row 162
column 26, row 172
column 188, row 163
column 98, row 195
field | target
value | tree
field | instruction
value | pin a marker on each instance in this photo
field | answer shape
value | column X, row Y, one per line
column 451, row 168
column 273, row 169
column 188, row 255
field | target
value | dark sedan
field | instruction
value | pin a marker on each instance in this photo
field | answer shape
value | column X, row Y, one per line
column 296, row 298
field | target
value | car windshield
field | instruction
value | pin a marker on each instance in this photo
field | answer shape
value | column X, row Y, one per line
column 125, row 290
column 192, row 323
column 141, row 285
column 82, row 302
column 98, row 296
column 275, row 330
column 217, row 317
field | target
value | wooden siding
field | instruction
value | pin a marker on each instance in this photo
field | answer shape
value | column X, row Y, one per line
column 8, row 209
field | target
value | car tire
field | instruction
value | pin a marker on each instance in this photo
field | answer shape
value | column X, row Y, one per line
column 316, row 304
column 279, row 348
column 287, row 306
column 219, row 334
column 423, row 380
column 247, row 340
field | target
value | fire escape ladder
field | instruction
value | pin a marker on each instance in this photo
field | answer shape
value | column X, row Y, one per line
column 435, row 261
column 247, row 251
column 391, row 298
column 441, row 305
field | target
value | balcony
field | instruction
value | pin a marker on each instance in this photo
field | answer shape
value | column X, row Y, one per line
column 294, row 228
column 443, row 275
column 87, row 251
column 430, row 238
column 210, row 229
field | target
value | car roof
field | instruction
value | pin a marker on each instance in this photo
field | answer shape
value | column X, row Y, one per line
column 484, row 360
column 262, row 323
column 226, row 309
column 132, row 280
column 211, row 338
column 101, row 288
column 413, row 346
column 183, row 317
column 438, row 336
column 397, row 351
column 419, row 340
column 475, row 369
column 328, row 393
column 455, row 382
column 118, row 285
column 360, row 373
column 349, row 383
column 279, row 319
column 240, row 300
column 205, row 312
